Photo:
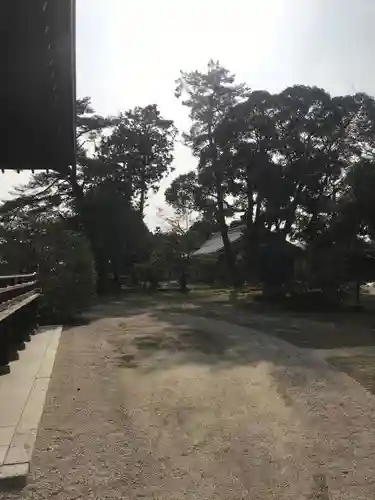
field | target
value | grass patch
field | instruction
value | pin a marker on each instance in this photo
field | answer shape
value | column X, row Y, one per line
column 361, row 368
column 319, row 336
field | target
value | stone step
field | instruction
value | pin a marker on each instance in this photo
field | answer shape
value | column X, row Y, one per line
column 22, row 396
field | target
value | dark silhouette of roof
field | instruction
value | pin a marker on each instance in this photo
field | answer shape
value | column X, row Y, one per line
column 215, row 243
column 37, row 98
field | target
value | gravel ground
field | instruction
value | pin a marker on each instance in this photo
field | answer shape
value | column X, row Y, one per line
column 170, row 406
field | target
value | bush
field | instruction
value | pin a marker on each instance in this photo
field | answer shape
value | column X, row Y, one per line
column 67, row 275
column 64, row 261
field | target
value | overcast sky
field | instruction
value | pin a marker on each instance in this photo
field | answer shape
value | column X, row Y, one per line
column 130, row 52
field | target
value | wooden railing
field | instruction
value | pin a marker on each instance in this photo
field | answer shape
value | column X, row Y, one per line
column 19, row 295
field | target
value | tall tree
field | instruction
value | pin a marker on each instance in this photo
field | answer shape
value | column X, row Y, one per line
column 192, row 192
column 87, row 202
column 60, row 191
column 248, row 134
column 285, row 161
column 290, row 152
column 209, row 96
column 119, row 238
column 138, row 153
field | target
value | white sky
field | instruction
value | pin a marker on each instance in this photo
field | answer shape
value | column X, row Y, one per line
column 129, row 52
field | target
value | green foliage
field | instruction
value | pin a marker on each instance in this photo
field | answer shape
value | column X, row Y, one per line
column 209, row 97
column 62, row 258
column 298, row 163
column 171, row 251
column 359, row 195
column 288, row 153
column 118, row 235
column 183, row 193
column 137, row 154
column 68, row 277
column 104, row 198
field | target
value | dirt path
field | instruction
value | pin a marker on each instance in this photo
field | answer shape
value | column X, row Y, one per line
column 169, row 406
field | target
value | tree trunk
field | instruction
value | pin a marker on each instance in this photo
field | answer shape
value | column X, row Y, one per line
column 228, row 252
column 250, row 200
column 292, row 213
column 101, row 273
column 258, row 207
column 116, row 275
column 100, row 265
column 249, row 236
column 143, row 191
column 357, row 294
column 231, row 263
column 142, row 202
column 288, row 226
column 183, row 281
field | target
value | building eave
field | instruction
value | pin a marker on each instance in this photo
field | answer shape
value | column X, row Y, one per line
column 38, row 85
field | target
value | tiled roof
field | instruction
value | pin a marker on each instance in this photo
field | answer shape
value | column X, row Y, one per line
column 215, row 242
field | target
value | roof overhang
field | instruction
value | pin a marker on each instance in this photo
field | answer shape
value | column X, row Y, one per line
column 215, row 243
column 38, row 85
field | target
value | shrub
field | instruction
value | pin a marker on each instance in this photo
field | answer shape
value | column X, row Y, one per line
column 67, row 275
column 63, row 259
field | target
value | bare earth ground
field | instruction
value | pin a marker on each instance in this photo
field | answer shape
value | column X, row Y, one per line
column 155, row 401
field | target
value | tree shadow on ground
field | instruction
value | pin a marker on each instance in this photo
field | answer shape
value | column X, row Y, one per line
column 153, row 334
column 116, row 307
column 182, row 340
column 361, row 368
column 178, row 337
column 302, row 331
column 196, row 346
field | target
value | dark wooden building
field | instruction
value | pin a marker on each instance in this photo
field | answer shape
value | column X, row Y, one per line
column 37, row 96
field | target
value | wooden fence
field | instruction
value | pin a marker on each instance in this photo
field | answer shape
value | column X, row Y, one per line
column 18, row 313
